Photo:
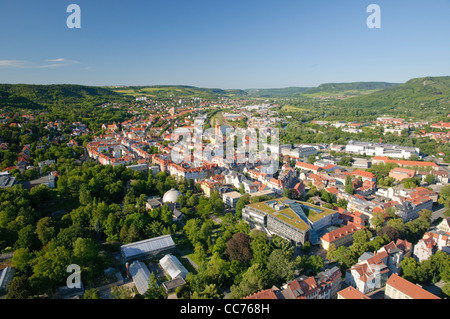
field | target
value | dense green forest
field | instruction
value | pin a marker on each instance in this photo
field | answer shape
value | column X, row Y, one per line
column 58, row 95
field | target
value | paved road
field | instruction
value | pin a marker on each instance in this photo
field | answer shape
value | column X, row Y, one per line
column 438, row 214
column 190, row 261
column 6, row 256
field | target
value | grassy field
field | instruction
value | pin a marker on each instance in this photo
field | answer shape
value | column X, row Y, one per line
column 291, row 108
column 339, row 93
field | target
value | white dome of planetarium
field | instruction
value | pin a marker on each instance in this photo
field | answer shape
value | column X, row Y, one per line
column 171, row 196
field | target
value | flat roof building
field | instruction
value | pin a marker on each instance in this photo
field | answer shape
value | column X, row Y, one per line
column 7, row 181
column 293, row 220
column 230, row 199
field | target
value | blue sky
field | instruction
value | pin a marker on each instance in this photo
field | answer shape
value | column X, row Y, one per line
column 226, row 44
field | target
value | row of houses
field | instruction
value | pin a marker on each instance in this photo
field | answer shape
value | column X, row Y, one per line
column 324, row 285
column 137, row 254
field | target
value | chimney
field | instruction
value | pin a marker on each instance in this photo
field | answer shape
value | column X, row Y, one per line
column 128, row 270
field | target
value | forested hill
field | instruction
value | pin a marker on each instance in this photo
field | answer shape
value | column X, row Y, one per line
column 282, row 92
column 42, row 96
column 413, row 98
column 178, row 91
column 348, row 87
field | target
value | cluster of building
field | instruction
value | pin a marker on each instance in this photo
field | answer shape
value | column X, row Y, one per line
column 324, row 285
column 138, row 256
column 368, row 198
column 381, row 149
column 377, row 271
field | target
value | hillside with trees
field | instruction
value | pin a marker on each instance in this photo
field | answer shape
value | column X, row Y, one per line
column 26, row 96
column 415, row 98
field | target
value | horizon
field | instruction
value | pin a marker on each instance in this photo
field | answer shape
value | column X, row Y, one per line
column 203, row 87
column 254, row 44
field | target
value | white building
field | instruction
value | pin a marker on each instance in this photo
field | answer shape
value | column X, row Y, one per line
column 230, row 199
column 425, row 248
column 381, row 149
column 173, row 267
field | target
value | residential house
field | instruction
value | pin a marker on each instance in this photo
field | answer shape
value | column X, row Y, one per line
column 396, row 252
column 272, row 293
column 300, row 190
column 323, row 286
column 370, row 273
column 208, row 187
column 444, row 225
column 367, row 188
column 365, row 176
column 442, row 239
column 425, row 248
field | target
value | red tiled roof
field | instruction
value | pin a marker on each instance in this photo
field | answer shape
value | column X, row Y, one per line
column 340, row 232
column 408, row 288
column 265, row 294
column 307, row 166
column 363, row 173
column 404, row 162
column 352, row 293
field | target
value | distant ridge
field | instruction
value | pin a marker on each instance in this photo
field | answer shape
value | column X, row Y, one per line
column 358, row 86
column 420, row 94
column 33, row 96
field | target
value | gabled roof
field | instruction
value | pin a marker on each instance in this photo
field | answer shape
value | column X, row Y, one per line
column 271, row 293
column 359, row 172
column 339, row 233
column 352, row 293
column 408, row 288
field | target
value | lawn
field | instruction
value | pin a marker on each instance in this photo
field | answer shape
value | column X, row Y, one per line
column 291, row 108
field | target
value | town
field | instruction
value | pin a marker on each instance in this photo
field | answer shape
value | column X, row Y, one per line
column 364, row 219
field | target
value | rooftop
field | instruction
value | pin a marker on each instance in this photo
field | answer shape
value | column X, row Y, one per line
column 293, row 212
column 147, row 246
column 141, row 275
column 352, row 293
column 233, row 195
column 409, row 289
